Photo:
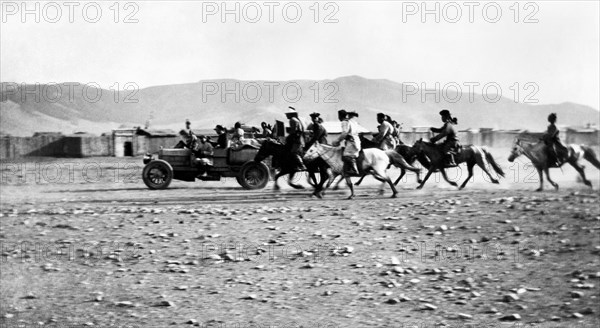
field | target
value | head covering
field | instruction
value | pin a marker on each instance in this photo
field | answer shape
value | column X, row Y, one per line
column 184, row 132
column 187, row 121
column 291, row 112
column 445, row 112
column 352, row 114
column 201, row 136
column 380, row 115
column 219, row 127
column 313, row 115
column 552, row 117
column 342, row 112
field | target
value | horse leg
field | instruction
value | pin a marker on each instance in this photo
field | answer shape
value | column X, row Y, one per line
column 470, row 170
column 319, row 188
column 293, row 185
column 446, row 178
column 481, row 162
column 385, row 178
column 357, row 183
column 554, row 184
column 277, row 176
column 402, row 173
column 337, row 185
column 426, row 177
column 580, row 169
column 349, row 183
column 541, row 180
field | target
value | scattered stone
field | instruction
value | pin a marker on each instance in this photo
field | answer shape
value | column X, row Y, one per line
column 510, row 298
column 166, row 304
column 124, row 304
column 428, row 307
column 576, row 294
column 511, row 317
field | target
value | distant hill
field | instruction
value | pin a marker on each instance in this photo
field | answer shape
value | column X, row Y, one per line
column 23, row 113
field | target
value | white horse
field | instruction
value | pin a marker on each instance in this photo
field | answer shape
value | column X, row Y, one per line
column 537, row 154
column 375, row 162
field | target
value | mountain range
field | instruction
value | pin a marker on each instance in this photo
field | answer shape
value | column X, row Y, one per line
column 74, row 107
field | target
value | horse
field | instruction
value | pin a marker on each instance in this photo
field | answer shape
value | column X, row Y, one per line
column 470, row 155
column 374, row 161
column 404, row 162
column 282, row 160
column 536, row 152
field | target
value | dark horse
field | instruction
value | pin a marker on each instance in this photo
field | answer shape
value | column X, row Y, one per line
column 470, row 155
column 283, row 161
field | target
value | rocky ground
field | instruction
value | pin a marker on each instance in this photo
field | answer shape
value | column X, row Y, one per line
column 99, row 249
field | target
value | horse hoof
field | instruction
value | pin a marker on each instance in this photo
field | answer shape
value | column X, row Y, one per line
column 419, row 187
column 350, row 197
column 495, row 182
column 394, row 196
column 539, row 189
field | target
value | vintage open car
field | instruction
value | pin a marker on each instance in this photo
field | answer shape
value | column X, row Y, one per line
column 182, row 164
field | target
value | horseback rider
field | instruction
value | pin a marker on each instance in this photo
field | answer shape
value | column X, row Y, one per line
column 295, row 138
column 319, row 134
column 450, row 145
column 396, row 134
column 352, row 141
column 552, row 141
column 384, row 138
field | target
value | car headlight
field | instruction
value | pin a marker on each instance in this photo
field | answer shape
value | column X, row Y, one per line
column 147, row 158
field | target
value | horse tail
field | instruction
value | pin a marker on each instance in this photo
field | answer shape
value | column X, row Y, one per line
column 398, row 161
column 492, row 161
column 590, row 156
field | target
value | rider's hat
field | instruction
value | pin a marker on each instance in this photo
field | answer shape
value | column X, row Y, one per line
column 381, row 115
column 342, row 112
column 313, row 115
column 445, row 112
column 219, row 127
column 291, row 112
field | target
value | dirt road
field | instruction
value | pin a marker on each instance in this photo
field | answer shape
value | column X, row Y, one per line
column 96, row 247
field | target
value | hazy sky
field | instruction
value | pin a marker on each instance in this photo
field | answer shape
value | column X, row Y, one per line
column 181, row 42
